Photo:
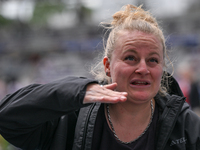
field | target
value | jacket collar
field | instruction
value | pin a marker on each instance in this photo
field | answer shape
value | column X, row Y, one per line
column 170, row 107
column 85, row 126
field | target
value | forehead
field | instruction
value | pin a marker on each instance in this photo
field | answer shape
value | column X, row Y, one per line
column 137, row 38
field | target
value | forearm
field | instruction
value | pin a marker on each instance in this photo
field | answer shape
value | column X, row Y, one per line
column 39, row 103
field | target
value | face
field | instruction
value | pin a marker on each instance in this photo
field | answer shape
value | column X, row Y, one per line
column 136, row 65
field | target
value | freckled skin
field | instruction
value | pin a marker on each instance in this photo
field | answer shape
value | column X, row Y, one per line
column 137, row 56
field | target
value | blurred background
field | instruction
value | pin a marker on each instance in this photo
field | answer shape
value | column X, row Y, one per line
column 44, row 40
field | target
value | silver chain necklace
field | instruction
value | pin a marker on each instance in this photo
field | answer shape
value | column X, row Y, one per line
column 113, row 130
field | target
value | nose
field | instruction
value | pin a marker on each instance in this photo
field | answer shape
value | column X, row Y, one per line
column 142, row 68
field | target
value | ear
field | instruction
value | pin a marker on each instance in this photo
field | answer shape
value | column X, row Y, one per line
column 106, row 64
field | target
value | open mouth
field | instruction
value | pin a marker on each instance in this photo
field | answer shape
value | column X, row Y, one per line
column 140, row 83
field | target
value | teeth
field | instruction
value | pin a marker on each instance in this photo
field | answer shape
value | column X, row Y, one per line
column 140, row 82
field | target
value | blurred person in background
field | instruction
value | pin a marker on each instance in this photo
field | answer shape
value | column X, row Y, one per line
column 194, row 96
column 131, row 105
column 184, row 79
column 189, row 84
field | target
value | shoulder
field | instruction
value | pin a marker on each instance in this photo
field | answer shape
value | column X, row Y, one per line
column 189, row 116
column 189, row 122
column 170, row 101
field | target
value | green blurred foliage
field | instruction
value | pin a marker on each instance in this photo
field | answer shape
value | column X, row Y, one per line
column 4, row 145
column 43, row 10
column 5, row 22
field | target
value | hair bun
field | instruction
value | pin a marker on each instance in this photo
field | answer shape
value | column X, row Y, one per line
column 130, row 13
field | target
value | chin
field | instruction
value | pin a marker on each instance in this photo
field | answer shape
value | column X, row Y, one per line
column 142, row 98
column 144, row 94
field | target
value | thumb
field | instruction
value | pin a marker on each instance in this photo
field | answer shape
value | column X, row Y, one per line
column 111, row 86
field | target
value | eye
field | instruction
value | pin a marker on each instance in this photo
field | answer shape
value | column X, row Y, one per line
column 131, row 58
column 153, row 60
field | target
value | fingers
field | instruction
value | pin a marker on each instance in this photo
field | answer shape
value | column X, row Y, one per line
column 112, row 88
column 105, row 94
column 107, row 99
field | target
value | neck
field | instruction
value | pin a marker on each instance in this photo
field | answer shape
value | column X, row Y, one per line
column 120, row 120
column 130, row 113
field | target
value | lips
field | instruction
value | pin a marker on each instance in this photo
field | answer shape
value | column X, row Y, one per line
column 140, row 82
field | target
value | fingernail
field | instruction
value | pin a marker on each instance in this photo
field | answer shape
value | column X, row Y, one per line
column 123, row 97
column 115, row 98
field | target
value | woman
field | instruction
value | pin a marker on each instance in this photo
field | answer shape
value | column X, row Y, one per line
column 132, row 110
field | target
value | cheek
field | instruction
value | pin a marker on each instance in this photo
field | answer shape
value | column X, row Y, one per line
column 158, row 75
column 118, row 70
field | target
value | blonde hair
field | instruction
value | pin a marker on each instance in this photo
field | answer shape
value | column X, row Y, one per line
column 131, row 18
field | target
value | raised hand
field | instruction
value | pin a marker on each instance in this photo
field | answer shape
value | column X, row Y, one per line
column 104, row 94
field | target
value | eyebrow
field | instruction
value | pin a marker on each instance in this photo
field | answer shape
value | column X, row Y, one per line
column 134, row 51
column 155, row 53
column 129, row 50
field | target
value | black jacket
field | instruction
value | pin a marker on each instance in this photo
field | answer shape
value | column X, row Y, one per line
column 45, row 117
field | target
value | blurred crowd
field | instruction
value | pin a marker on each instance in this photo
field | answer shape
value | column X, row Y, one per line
column 188, row 76
column 43, row 69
